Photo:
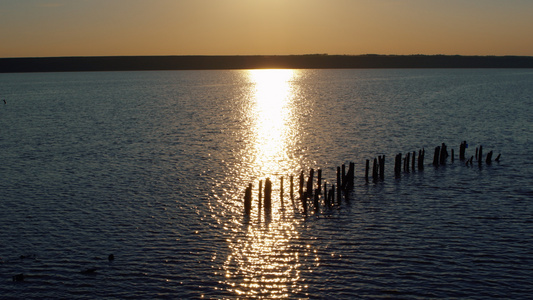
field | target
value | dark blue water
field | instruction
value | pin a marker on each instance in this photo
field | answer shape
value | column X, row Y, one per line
column 152, row 166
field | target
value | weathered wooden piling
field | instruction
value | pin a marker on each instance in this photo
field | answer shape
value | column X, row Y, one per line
column 421, row 154
column 462, row 151
column 375, row 170
column 268, row 195
column 436, row 156
column 489, row 158
column 339, row 196
column 398, row 165
column 326, row 198
column 309, row 190
column 259, row 198
column 443, row 154
column 498, row 158
column 319, row 180
column 352, row 174
column 248, row 199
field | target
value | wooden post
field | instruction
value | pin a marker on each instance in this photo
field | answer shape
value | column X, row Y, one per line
column 443, row 154
column 462, row 151
column 436, row 156
column 381, row 167
column 498, row 158
column 375, row 170
column 339, row 184
column 489, row 158
column 326, row 198
column 319, row 180
column 309, row 190
column 421, row 154
column 268, row 196
column 413, row 161
column 398, row 165
column 352, row 175
column 248, row 200
column 259, row 198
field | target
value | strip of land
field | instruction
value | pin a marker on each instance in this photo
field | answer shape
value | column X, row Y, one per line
column 314, row 61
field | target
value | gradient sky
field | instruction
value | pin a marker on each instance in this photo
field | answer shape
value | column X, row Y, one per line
column 37, row 28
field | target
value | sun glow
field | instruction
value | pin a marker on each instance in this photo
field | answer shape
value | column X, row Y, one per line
column 272, row 109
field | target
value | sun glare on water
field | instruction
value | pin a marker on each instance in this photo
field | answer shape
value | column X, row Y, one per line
column 265, row 250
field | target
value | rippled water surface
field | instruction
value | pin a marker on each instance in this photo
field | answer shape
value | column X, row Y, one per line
column 152, row 167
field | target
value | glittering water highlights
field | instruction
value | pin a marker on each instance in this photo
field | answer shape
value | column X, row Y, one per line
column 152, row 168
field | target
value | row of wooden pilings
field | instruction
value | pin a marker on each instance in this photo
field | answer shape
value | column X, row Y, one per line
column 345, row 178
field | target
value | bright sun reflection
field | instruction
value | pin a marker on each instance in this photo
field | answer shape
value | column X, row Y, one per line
column 272, row 110
column 266, row 251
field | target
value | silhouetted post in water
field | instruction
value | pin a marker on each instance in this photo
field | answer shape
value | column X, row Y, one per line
column 259, row 198
column 480, row 155
column 443, row 154
column 421, row 154
column 413, row 161
column 382, row 167
column 498, row 158
column 309, row 190
column 398, row 165
column 319, row 180
column 366, row 169
column 339, row 196
column 292, row 190
column 268, row 195
column 489, row 158
column 281, row 193
column 462, row 151
column 248, row 200
column 326, row 199
column 375, row 170
column 351, row 174
column 436, row 156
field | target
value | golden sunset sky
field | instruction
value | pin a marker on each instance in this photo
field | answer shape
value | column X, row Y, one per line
column 40, row 28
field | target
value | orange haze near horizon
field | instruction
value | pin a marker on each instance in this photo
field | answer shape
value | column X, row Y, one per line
column 41, row 28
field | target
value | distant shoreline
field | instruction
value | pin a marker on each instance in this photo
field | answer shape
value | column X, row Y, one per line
column 313, row 61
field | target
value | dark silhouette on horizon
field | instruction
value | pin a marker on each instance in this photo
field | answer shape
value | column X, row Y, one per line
column 313, row 61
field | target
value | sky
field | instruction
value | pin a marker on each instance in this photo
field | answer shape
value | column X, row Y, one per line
column 43, row 28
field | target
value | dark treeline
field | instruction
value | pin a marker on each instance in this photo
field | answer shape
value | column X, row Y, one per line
column 315, row 61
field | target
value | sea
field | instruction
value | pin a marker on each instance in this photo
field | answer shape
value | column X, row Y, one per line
column 131, row 185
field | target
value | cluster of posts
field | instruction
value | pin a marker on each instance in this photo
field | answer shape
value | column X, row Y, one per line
column 309, row 193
